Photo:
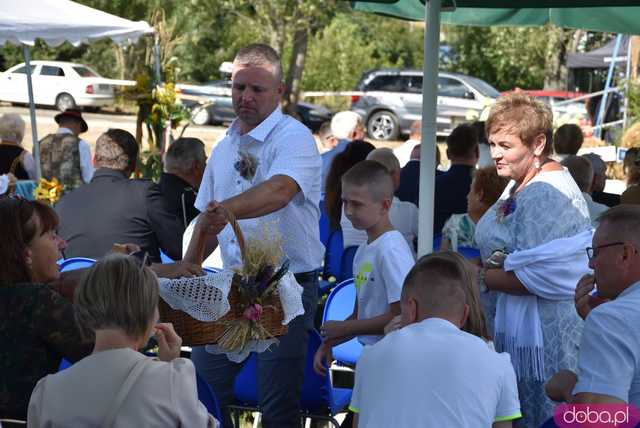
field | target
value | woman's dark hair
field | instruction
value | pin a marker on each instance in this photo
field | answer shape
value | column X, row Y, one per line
column 18, row 229
column 355, row 152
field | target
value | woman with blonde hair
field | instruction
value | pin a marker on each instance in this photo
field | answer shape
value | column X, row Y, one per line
column 14, row 158
column 532, row 243
column 117, row 386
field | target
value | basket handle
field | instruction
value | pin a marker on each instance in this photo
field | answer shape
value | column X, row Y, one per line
column 231, row 218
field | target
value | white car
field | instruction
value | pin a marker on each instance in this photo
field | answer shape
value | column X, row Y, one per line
column 61, row 84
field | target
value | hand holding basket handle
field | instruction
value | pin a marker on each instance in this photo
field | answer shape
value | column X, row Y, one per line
column 212, row 221
column 256, row 312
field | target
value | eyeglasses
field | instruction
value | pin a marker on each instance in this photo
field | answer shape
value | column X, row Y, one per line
column 592, row 252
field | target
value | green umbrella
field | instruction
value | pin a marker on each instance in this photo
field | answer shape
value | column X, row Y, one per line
column 620, row 16
column 616, row 17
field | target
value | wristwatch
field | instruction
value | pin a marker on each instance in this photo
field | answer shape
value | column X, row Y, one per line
column 481, row 283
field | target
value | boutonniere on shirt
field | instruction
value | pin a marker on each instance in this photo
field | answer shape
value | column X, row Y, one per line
column 505, row 208
column 246, row 165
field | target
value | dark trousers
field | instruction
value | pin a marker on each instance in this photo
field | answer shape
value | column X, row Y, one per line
column 280, row 369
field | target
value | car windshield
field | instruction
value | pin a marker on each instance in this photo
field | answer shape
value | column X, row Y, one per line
column 85, row 71
column 482, row 86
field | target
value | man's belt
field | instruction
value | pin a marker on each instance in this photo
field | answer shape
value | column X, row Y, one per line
column 304, row 277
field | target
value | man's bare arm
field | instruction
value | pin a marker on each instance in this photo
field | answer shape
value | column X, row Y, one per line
column 263, row 199
column 592, row 398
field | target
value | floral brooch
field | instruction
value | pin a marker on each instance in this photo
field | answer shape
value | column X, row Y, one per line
column 505, row 208
column 246, row 165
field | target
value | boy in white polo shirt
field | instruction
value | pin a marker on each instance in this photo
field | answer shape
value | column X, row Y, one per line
column 430, row 373
column 380, row 264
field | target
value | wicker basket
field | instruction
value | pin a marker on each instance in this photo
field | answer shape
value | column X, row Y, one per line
column 197, row 333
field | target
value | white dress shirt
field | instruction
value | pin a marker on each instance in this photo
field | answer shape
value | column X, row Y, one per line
column 403, row 151
column 282, row 146
column 86, row 162
column 432, row 374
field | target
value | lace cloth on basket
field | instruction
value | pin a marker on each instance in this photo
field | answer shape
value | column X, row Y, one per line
column 205, row 298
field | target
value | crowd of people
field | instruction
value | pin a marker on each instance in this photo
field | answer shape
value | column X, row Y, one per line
column 449, row 341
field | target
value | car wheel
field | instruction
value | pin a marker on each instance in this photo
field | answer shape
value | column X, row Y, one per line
column 200, row 115
column 65, row 102
column 383, row 125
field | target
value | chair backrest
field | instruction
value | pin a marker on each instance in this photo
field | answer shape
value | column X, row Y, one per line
column 469, row 252
column 317, row 392
column 346, row 263
column 208, row 398
column 340, row 304
column 316, row 395
column 333, row 255
column 74, row 263
column 165, row 259
column 245, row 388
column 437, row 241
column 325, row 227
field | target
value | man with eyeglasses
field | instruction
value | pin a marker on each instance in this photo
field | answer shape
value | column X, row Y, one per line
column 609, row 358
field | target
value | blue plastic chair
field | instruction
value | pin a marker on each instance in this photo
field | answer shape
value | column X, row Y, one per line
column 339, row 306
column 74, row 263
column 245, row 388
column 208, row 398
column 469, row 252
column 346, row 263
column 325, row 227
column 318, row 399
column 333, row 255
column 165, row 259
column 437, row 241
column 332, row 262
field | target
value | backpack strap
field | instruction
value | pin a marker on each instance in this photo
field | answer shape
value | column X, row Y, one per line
column 133, row 376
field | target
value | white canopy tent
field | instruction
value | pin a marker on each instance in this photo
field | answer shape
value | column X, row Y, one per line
column 56, row 22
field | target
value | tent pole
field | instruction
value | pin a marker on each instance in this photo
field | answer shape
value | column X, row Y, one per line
column 428, row 144
column 32, row 112
column 626, row 85
column 603, row 102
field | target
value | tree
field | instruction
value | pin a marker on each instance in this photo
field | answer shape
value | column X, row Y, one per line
column 504, row 57
column 355, row 43
column 287, row 25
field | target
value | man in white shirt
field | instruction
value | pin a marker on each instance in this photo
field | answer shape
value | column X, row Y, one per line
column 608, row 370
column 581, row 170
column 430, row 373
column 403, row 151
column 71, row 122
column 403, row 215
column 266, row 171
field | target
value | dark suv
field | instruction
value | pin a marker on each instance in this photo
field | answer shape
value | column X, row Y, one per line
column 210, row 103
column 392, row 101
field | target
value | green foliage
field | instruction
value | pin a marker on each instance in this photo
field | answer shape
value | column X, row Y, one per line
column 354, row 43
column 633, row 106
column 504, row 57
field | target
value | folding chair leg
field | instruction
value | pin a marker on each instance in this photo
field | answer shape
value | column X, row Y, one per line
column 236, row 418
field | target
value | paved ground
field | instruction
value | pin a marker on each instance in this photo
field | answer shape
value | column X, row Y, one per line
column 100, row 122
